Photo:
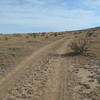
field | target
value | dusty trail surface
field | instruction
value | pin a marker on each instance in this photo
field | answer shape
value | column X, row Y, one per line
column 42, row 76
column 53, row 72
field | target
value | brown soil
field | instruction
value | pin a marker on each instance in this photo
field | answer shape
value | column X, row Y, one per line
column 48, row 71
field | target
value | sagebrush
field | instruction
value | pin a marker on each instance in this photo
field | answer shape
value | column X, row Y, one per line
column 80, row 46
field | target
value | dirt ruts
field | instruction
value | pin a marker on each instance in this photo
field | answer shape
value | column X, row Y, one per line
column 39, row 77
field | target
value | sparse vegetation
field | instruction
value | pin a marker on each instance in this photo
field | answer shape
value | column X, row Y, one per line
column 43, row 34
column 6, row 38
column 89, row 34
column 46, row 36
column 55, row 34
column 34, row 35
column 80, row 46
column 17, row 35
column 15, row 47
column 43, row 56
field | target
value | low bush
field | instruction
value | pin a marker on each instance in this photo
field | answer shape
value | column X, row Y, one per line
column 80, row 46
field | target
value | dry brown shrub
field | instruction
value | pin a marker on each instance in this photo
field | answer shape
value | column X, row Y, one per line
column 80, row 46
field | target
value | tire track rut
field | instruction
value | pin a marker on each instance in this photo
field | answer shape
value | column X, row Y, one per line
column 39, row 77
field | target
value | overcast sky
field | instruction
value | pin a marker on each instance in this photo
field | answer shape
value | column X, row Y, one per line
column 48, row 15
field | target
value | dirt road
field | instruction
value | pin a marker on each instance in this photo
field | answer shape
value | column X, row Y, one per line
column 45, row 75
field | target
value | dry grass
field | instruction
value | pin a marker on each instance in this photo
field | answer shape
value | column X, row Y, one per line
column 15, row 47
column 80, row 46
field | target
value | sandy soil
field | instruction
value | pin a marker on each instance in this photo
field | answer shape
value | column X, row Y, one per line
column 51, row 74
column 33, row 79
column 18, row 47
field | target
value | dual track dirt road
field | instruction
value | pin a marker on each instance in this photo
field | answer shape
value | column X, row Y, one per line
column 45, row 75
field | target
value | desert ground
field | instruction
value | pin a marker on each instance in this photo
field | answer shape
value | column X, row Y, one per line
column 46, row 66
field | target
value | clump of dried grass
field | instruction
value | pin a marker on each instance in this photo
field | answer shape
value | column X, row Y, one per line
column 80, row 46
